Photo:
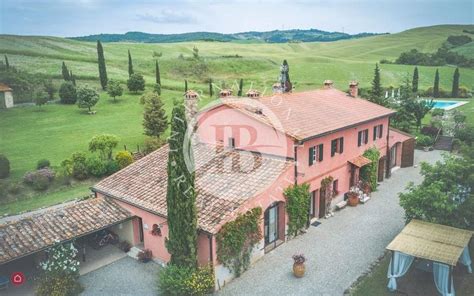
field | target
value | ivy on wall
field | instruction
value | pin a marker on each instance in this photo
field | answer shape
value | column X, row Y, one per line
column 237, row 238
column 297, row 205
column 368, row 173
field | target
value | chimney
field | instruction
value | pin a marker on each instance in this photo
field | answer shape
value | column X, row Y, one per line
column 328, row 84
column 225, row 93
column 190, row 104
column 253, row 94
column 353, row 88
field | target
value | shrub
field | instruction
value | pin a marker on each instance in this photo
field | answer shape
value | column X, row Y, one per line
column 145, row 255
column 424, row 141
column 151, row 144
column 14, row 188
column 466, row 134
column 136, row 83
column 431, row 131
column 96, row 167
column 4, row 167
column 39, row 179
column 104, row 144
column 112, row 167
column 124, row 158
column 177, row 280
column 201, row 281
column 79, row 167
column 42, row 163
column 437, row 112
column 369, row 172
column 59, row 285
column 87, row 98
column 67, row 93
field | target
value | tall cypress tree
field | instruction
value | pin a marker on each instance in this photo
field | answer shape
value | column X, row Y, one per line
column 65, row 72
column 414, row 82
column 102, row 68
column 455, row 90
column 436, row 85
column 157, row 73
column 72, row 78
column 211, row 90
column 287, row 73
column 241, row 87
column 7, row 64
column 376, row 93
column 185, row 85
column 181, row 196
column 130, row 64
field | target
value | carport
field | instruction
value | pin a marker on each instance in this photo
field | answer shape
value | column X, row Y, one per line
column 23, row 241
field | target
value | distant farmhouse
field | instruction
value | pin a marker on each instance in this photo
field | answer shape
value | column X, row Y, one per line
column 6, row 97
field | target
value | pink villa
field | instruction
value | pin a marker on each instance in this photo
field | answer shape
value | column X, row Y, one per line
column 247, row 151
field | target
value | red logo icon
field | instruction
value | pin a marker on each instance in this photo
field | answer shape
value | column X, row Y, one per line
column 17, row 278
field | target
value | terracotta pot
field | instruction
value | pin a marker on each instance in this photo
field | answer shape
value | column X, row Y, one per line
column 353, row 200
column 298, row 269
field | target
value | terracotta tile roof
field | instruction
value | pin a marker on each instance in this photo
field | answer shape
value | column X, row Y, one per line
column 4, row 87
column 360, row 161
column 303, row 115
column 221, row 187
column 28, row 235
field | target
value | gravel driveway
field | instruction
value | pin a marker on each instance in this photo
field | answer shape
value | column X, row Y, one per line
column 123, row 277
column 339, row 250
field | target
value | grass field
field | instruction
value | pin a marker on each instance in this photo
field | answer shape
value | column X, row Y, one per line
column 28, row 134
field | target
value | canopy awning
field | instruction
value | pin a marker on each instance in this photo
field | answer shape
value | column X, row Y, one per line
column 431, row 241
column 360, row 161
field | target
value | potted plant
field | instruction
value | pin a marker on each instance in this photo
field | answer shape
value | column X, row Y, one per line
column 298, row 265
column 145, row 255
column 353, row 197
column 125, row 246
column 365, row 186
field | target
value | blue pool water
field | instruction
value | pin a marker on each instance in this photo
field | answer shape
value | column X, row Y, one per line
column 444, row 104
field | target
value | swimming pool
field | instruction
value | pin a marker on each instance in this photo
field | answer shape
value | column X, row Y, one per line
column 447, row 105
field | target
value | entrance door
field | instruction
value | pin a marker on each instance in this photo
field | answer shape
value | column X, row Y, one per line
column 271, row 224
column 381, row 169
column 322, row 202
column 140, row 229
column 393, row 156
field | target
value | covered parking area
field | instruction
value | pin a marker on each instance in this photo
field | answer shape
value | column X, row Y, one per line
column 433, row 247
column 24, row 242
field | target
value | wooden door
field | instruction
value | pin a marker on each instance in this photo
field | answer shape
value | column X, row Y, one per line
column 381, row 169
column 322, row 203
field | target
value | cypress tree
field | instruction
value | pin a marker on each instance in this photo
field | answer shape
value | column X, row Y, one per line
column 102, row 68
column 72, row 78
column 181, row 196
column 65, row 72
column 287, row 73
column 155, row 121
column 455, row 90
column 157, row 73
column 436, row 85
column 211, row 91
column 130, row 65
column 241, row 87
column 185, row 85
column 414, row 82
column 376, row 92
column 7, row 64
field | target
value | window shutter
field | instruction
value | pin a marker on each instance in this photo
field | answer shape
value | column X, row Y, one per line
column 333, row 147
column 311, row 155
column 359, row 139
column 381, row 131
column 320, row 152
column 375, row 133
column 366, row 136
column 341, row 145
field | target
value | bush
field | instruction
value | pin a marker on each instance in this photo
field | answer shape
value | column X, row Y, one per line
column 424, row 141
column 96, row 167
column 442, row 93
column 437, row 112
column 176, row 280
column 151, row 144
column 59, row 285
column 14, row 188
column 466, row 134
column 42, row 163
column 67, row 93
column 87, row 98
column 79, row 167
column 136, row 83
column 431, row 131
column 4, row 167
column 124, row 158
column 112, row 167
column 39, row 179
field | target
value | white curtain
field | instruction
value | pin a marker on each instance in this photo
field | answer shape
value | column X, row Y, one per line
column 466, row 259
column 401, row 263
column 442, row 279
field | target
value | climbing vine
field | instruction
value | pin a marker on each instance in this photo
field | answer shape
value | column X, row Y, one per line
column 368, row 173
column 328, row 194
column 297, row 205
column 237, row 238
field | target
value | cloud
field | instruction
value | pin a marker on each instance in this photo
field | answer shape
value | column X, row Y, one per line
column 168, row 16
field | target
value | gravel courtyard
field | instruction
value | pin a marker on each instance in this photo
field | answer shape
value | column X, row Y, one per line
column 126, row 276
column 339, row 250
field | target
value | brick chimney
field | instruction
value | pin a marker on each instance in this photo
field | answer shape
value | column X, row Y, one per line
column 353, row 88
column 328, row 84
column 225, row 93
column 190, row 104
column 253, row 94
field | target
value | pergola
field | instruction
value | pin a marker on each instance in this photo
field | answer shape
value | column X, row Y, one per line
column 443, row 245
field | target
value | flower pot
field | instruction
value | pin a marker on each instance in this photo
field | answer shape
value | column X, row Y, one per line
column 298, row 269
column 353, row 200
column 426, row 148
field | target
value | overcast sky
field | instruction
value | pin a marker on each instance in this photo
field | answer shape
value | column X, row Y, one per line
column 85, row 17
